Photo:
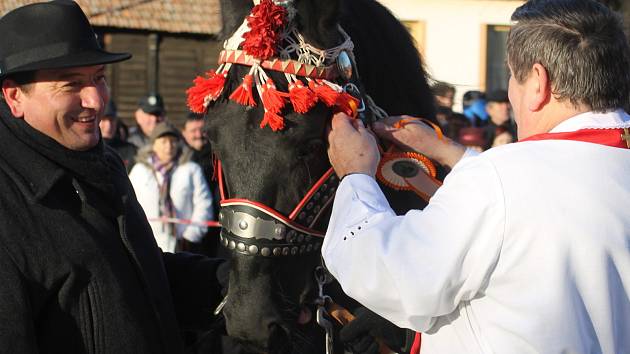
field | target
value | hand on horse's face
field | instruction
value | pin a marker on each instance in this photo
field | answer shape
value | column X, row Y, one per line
column 416, row 136
column 351, row 147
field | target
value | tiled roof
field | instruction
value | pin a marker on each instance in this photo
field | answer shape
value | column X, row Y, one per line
column 175, row 16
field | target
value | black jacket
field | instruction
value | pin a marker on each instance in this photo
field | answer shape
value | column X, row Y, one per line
column 80, row 271
column 125, row 150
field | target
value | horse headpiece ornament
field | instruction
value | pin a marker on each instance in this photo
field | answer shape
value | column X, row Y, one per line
column 267, row 40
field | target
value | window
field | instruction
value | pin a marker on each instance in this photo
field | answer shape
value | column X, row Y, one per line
column 496, row 74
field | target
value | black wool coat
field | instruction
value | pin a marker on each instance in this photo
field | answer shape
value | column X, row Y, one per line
column 80, row 275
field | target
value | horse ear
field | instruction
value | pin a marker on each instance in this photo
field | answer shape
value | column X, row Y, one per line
column 317, row 20
column 233, row 13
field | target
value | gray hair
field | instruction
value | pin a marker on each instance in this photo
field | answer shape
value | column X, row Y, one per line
column 582, row 46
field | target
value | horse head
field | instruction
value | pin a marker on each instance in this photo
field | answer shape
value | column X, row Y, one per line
column 276, row 176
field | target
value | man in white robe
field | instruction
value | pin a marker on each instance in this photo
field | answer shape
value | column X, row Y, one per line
column 526, row 247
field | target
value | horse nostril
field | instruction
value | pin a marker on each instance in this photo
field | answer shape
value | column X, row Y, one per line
column 278, row 338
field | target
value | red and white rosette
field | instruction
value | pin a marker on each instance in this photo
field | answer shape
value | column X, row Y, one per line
column 408, row 171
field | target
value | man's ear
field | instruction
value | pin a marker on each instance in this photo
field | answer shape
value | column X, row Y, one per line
column 14, row 97
column 540, row 87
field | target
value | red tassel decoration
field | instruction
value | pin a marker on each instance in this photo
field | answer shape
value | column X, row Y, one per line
column 205, row 90
column 275, row 121
column 243, row 94
column 324, row 92
column 347, row 104
column 265, row 24
column 272, row 99
column 301, row 97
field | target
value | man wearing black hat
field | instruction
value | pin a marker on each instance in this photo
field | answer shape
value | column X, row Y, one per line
column 150, row 112
column 79, row 267
column 111, row 135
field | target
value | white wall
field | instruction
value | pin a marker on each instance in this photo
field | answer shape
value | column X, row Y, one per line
column 453, row 35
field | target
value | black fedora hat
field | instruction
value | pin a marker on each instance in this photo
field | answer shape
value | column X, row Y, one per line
column 50, row 35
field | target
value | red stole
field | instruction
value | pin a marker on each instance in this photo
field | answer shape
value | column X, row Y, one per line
column 615, row 137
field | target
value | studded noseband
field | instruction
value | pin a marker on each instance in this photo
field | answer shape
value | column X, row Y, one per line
column 252, row 228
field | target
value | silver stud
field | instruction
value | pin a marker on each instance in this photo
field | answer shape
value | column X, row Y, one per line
column 302, row 248
column 316, row 246
column 324, row 187
column 232, row 245
column 300, row 238
column 253, row 249
column 290, row 235
column 309, row 247
column 285, row 251
column 309, row 206
column 221, row 216
column 279, row 230
column 332, row 190
column 265, row 252
column 243, row 225
column 277, row 251
column 302, row 216
column 316, row 196
column 307, row 238
column 294, row 251
column 310, row 219
column 344, row 65
column 317, row 209
column 225, row 242
column 240, row 246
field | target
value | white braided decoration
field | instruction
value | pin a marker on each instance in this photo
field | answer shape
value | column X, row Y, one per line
column 292, row 43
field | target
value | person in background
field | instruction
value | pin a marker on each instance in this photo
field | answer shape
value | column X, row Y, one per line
column 525, row 247
column 502, row 136
column 471, row 96
column 196, row 140
column 498, row 109
column 172, row 190
column 473, row 138
column 110, row 133
column 193, row 131
column 450, row 122
column 123, row 130
column 149, row 113
column 474, row 103
column 80, row 269
column 195, row 137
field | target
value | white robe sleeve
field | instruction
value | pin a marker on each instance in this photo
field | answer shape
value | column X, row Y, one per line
column 414, row 268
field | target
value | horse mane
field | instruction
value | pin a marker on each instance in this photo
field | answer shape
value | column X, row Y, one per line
column 232, row 14
column 388, row 61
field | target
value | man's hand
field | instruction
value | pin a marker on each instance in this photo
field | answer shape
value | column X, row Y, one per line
column 360, row 335
column 351, row 147
column 419, row 137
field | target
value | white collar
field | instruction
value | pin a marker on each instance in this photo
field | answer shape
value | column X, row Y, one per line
column 591, row 120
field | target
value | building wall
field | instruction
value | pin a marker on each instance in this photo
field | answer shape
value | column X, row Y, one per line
column 453, row 39
column 180, row 58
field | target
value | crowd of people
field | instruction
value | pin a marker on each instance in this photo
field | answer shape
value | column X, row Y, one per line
column 171, row 172
column 485, row 122
column 94, row 215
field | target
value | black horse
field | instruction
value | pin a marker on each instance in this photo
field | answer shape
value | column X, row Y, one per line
column 268, row 292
